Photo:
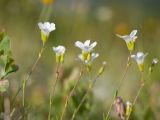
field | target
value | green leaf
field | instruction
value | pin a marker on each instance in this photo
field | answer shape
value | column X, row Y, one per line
column 1, row 52
column 8, row 63
column 5, row 45
column 11, row 69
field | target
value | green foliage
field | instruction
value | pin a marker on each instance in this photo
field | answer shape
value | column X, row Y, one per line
column 7, row 65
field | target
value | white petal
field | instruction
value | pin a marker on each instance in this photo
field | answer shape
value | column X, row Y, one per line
column 93, row 44
column 40, row 25
column 125, row 37
column 134, row 38
column 120, row 36
column 140, row 54
column 52, row 27
column 80, row 57
column 133, row 56
column 133, row 33
column 93, row 56
column 79, row 44
column 87, row 42
column 145, row 54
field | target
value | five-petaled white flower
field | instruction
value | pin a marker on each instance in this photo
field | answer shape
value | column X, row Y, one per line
column 86, row 48
column 46, row 28
column 60, row 51
column 139, row 57
column 130, row 39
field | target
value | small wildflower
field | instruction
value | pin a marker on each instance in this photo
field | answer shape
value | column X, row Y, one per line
column 46, row 28
column 129, row 39
column 86, row 48
column 128, row 108
column 101, row 70
column 60, row 51
column 139, row 57
column 120, row 107
column 88, row 63
column 154, row 62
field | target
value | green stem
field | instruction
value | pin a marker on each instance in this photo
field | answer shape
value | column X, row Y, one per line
column 120, row 84
column 27, row 78
column 84, row 97
column 138, row 93
column 53, row 92
column 70, row 94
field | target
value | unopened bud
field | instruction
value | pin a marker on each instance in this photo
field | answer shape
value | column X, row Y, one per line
column 102, row 68
column 128, row 108
column 120, row 107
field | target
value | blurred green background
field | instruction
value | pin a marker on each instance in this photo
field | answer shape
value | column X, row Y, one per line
column 97, row 20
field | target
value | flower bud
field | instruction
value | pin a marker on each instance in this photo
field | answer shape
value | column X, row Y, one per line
column 102, row 68
column 128, row 108
column 120, row 107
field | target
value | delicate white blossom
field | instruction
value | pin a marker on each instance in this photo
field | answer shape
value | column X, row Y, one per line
column 60, row 51
column 86, row 48
column 139, row 57
column 46, row 28
column 129, row 39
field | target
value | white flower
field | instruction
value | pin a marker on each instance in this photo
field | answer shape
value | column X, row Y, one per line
column 129, row 39
column 93, row 56
column 86, row 46
column 46, row 28
column 60, row 51
column 155, row 61
column 139, row 57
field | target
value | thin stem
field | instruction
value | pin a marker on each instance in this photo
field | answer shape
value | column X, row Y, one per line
column 70, row 94
column 120, row 84
column 28, row 76
column 138, row 93
column 84, row 97
column 6, row 107
column 53, row 92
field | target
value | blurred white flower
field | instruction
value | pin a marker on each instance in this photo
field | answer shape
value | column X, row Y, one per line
column 60, row 51
column 139, row 57
column 46, row 28
column 155, row 61
column 129, row 39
